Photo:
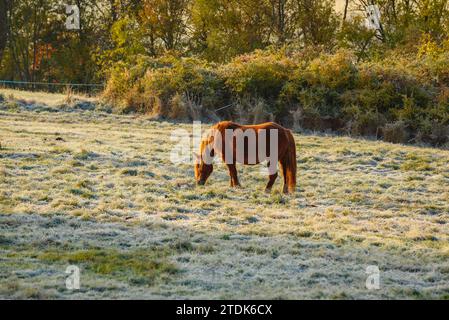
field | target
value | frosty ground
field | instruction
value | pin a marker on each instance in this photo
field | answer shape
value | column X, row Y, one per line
column 81, row 186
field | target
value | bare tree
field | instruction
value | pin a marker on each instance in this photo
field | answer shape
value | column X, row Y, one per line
column 279, row 19
column 362, row 5
column 345, row 12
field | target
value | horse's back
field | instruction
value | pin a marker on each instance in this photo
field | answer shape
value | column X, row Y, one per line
column 223, row 125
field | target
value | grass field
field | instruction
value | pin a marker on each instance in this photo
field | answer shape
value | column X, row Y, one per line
column 99, row 191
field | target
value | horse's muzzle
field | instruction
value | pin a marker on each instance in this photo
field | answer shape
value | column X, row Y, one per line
column 200, row 183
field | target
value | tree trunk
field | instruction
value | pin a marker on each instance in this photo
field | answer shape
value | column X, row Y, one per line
column 3, row 27
column 345, row 14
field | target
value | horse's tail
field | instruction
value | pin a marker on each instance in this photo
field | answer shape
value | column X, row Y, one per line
column 290, row 162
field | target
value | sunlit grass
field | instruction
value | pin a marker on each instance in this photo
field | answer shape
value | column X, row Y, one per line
column 352, row 194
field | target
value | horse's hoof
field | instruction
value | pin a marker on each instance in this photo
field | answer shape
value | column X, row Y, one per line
column 267, row 190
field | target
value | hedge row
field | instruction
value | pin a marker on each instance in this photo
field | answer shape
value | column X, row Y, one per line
column 400, row 98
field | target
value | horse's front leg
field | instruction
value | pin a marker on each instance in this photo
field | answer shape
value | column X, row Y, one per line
column 272, row 179
column 233, row 174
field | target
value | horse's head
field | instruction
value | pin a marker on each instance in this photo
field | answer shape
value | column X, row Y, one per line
column 203, row 162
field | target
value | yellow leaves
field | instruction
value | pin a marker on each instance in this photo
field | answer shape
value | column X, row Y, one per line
column 335, row 71
column 429, row 47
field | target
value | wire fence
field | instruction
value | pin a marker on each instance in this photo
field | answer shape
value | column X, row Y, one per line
column 86, row 88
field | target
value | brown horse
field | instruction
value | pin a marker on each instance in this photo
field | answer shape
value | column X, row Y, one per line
column 249, row 144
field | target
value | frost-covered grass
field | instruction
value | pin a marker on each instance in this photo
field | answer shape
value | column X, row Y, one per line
column 99, row 191
column 42, row 98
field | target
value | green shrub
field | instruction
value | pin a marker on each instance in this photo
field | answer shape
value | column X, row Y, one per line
column 316, row 86
column 259, row 74
column 258, row 78
column 336, row 71
column 395, row 132
column 179, row 88
column 367, row 123
column 404, row 95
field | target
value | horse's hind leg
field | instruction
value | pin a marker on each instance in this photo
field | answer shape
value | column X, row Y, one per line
column 272, row 179
column 284, row 174
column 233, row 174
